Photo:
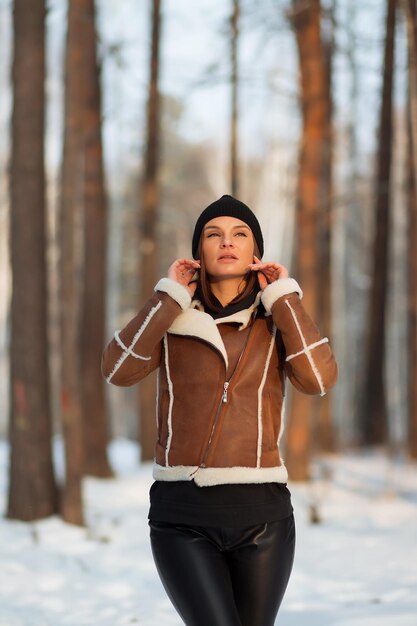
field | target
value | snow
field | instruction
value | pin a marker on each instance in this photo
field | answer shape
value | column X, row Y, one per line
column 355, row 568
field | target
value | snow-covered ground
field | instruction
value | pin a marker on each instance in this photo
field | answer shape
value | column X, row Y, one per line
column 358, row 567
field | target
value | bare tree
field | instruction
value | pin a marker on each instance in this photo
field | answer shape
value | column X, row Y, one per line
column 410, row 11
column 94, row 408
column 149, row 217
column 306, row 20
column 325, row 430
column 32, row 491
column 234, row 23
column 71, row 260
column 411, row 22
column 412, row 301
column 374, row 410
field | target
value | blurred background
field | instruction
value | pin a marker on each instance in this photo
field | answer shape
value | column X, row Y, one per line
column 119, row 123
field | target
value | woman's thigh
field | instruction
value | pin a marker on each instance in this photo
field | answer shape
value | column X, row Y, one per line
column 260, row 568
column 195, row 574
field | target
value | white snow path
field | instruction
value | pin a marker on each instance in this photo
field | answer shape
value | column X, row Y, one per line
column 357, row 568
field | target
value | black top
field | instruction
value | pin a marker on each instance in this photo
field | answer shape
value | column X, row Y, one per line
column 183, row 502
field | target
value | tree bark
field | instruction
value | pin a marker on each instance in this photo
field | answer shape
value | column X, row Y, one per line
column 71, row 261
column 412, row 303
column 411, row 21
column 325, row 429
column 150, row 201
column 94, row 408
column 306, row 18
column 234, row 175
column 374, row 410
column 410, row 10
column 32, row 490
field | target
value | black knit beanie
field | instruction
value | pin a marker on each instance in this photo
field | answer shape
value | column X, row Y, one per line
column 227, row 205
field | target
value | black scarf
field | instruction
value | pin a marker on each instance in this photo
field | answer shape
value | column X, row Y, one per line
column 231, row 308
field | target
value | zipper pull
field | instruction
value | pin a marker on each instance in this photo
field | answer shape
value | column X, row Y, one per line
column 224, row 397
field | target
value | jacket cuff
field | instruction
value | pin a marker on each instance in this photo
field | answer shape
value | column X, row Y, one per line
column 277, row 289
column 178, row 292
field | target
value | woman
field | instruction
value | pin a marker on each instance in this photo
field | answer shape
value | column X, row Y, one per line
column 224, row 331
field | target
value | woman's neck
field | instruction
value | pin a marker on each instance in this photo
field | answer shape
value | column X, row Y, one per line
column 226, row 290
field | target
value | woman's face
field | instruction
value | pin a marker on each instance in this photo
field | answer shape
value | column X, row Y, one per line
column 227, row 247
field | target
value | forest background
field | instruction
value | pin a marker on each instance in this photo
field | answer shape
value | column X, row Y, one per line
column 120, row 122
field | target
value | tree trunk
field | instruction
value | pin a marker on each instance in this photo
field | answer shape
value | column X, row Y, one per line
column 325, row 430
column 374, row 410
column 94, row 408
column 71, row 261
column 412, row 303
column 411, row 20
column 234, row 23
column 32, row 492
column 410, row 10
column 148, row 262
column 306, row 18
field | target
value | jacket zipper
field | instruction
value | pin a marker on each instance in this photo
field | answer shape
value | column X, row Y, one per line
column 223, row 400
column 225, row 386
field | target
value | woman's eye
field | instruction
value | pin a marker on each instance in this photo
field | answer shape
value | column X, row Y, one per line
column 212, row 235
column 242, row 234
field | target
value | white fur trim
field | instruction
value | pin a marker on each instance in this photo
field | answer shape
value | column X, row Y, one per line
column 171, row 400
column 176, row 472
column 129, row 350
column 260, row 391
column 135, row 339
column 178, row 292
column 194, row 323
column 210, row 476
column 277, row 289
column 307, row 351
column 310, row 347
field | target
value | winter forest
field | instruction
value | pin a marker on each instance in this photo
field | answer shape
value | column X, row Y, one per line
column 119, row 122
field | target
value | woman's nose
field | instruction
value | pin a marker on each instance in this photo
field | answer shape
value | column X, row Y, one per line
column 226, row 242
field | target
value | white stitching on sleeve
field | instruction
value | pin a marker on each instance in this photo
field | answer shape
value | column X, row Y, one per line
column 307, row 350
column 135, row 339
column 129, row 350
column 310, row 347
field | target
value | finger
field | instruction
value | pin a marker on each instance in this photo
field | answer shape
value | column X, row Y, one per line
column 262, row 280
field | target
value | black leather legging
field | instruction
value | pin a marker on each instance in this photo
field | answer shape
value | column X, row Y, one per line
column 225, row 576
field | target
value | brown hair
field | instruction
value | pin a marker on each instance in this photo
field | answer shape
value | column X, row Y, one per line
column 246, row 286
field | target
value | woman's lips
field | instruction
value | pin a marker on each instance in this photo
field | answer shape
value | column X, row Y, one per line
column 227, row 259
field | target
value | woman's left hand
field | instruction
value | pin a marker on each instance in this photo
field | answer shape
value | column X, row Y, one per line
column 268, row 272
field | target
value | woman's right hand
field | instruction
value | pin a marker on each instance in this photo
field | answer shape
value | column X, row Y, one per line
column 182, row 271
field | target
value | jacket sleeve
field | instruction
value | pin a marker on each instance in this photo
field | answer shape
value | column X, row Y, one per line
column 135, row 351
column 309, row 361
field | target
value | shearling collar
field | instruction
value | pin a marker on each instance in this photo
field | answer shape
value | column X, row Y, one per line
column 194, row 322
column 241, row 317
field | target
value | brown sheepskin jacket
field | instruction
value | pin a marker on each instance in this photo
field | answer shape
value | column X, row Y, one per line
column 221, row 383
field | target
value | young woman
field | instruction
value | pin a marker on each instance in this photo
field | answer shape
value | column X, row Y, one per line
column 225, row 330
